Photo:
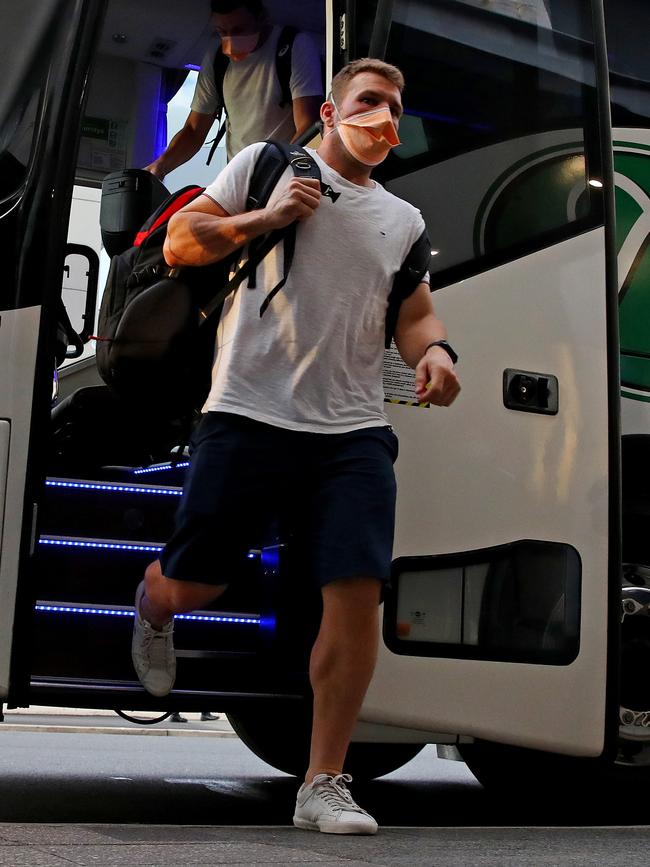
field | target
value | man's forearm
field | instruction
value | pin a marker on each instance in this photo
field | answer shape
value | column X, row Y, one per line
column 412, row 338
column 181, row 148
column 194, row 238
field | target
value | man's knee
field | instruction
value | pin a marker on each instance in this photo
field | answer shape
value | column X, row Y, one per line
column 353, row 594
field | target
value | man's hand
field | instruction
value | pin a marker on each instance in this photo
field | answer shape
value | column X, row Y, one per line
column 298, row 201
column 435, row 378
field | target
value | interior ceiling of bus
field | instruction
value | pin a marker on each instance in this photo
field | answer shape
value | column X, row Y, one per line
column 175, row 32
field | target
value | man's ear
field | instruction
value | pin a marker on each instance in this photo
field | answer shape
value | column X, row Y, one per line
column 327, row 114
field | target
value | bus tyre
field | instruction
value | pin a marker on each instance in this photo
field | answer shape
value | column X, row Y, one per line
column 282, row 739
column 507, row 771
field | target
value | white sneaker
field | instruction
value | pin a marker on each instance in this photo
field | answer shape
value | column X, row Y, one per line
column 152, row 652
column 326, row 805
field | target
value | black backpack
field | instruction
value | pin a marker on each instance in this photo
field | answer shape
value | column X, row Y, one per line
column 157, row 325
column 283, row 57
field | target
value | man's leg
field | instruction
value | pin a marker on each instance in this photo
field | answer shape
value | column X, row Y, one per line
column 157, row 599
column 342, row 662
column 163, row 597
column 227, row 500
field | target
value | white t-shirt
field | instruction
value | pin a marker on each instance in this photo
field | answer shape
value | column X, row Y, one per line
column 314, row 361
column 252, row 92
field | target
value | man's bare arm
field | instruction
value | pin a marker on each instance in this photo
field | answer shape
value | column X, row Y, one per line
column 184, row 145
column 418, row 326
column 203, row 232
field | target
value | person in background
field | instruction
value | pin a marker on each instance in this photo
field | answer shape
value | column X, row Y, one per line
column 252, row 92
column 206, row 716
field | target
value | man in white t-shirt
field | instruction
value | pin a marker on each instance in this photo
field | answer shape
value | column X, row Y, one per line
column 252, row 92
column 295, row 418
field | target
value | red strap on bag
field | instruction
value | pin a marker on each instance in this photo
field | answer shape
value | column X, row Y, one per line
column 184, row 199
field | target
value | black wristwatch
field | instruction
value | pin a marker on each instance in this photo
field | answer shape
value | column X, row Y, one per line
column 443, row 345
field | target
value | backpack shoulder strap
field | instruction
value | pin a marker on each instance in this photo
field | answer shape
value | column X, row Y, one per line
column 269, row 168
column 408, row 278
column 283, row 63
column 303, row 165
column 220, row 67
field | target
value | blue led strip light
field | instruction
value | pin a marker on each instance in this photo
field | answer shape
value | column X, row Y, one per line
column 253, row 620
column 97, row 486
column 111, row 546
column 160, row 467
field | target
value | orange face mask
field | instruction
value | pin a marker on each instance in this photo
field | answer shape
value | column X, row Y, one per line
column 239, row 47
column 369, row 135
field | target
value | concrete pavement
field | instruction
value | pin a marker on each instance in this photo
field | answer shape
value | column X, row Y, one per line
column 230, row 793
column 109, row 845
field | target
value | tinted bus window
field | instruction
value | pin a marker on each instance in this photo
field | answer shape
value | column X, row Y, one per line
column 629, row 62
column 499, row 133
column 629, row 66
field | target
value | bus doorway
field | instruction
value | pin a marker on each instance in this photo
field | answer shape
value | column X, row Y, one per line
column 506, row 595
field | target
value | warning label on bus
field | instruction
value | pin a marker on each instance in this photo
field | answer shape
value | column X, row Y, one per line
column 103, row 145
column 399, row 380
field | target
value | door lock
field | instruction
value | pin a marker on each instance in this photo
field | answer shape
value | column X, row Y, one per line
column 530, row 392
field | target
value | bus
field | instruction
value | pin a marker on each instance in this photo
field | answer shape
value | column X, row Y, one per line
column 515, row 633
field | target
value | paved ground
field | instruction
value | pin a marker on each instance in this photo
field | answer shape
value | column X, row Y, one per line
column 60, row 845
column 87, row 797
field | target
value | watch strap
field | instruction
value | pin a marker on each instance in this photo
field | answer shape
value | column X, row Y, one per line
column 443, row 344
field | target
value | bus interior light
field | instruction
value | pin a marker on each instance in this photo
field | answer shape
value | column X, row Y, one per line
column 109, row 546
column 160, row 467
column 250, row 619
column 101, row 486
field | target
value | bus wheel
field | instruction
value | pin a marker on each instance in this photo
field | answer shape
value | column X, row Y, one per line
column 282, row 740
column 500, row 767
column 507, row 770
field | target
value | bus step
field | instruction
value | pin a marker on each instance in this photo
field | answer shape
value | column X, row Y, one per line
column 89, row 508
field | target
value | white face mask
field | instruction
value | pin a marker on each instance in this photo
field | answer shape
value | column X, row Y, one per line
column 368, row 136
column 239, row 47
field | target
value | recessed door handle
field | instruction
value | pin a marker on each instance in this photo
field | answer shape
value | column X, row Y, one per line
column 526, row 391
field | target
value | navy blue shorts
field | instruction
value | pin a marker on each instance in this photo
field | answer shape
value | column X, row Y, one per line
column 332, row 494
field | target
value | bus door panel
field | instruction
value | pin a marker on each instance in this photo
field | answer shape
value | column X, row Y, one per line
column 501, row 619
column 18, row 346
column 45, row 52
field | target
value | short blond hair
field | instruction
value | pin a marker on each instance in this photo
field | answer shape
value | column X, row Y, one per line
column 344, row 76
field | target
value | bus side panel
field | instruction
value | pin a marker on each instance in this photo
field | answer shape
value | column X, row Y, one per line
column 477, row 475
column 19, row 330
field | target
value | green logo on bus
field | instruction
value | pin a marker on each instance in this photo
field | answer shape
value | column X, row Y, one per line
column 545, row 192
